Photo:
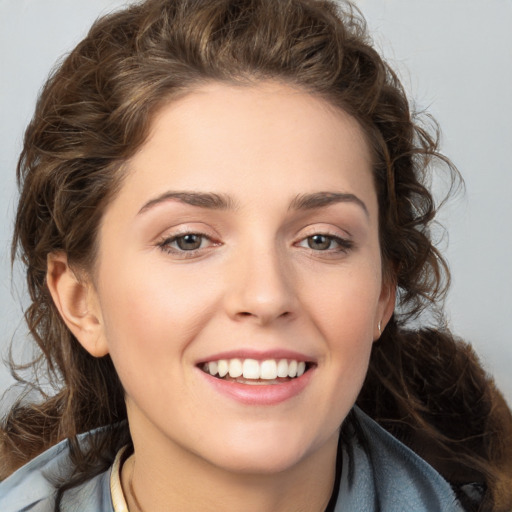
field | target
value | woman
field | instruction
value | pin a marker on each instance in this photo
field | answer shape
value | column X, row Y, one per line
column 221, row 204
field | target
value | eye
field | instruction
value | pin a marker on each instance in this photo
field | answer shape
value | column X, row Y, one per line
column 323, row 242
column 185, row 243
column 189, row 242
column 319, row 242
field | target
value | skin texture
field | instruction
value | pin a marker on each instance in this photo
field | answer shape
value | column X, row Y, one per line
column 256, row 283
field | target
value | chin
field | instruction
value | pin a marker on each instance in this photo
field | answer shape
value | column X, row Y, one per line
column 263, row 464
column 262, row 453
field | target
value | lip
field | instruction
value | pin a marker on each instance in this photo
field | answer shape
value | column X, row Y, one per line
column 259, row 394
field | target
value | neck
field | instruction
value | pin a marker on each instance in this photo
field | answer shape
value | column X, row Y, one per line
column 166, row 477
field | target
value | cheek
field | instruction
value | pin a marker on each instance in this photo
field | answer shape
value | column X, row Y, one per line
column 151, row 316
column 344, row 312
column 344, row 306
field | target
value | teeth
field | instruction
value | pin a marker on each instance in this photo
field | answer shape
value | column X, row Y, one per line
column 251, row 369
column 282, row 368
column 235, row 368
column 223, row 368
column 269, row 369
column 213, row 368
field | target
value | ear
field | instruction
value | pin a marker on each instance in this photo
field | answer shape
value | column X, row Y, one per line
column 77, row 303
column 386, row 307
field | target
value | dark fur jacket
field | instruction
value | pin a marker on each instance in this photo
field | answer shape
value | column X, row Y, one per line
column 429, row 390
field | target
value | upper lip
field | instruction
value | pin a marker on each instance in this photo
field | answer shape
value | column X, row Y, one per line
column 259, row 355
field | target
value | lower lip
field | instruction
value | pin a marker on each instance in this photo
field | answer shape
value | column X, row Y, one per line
column 260, row 394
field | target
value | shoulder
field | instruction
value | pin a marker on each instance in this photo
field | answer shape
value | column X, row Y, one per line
column 386, row 475
column 32, row 487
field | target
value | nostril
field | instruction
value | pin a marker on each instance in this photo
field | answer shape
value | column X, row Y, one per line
column 245, row 314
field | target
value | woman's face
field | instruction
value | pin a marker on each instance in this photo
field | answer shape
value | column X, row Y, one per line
column 244, row 239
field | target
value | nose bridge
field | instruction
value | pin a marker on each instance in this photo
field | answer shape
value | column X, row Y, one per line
column 261, row 284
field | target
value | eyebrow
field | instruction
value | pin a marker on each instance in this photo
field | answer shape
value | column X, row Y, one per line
column 201, row 199
column 214, row 201
column 323, row 199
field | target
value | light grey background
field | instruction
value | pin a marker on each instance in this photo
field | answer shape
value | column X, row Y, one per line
column 454, row 57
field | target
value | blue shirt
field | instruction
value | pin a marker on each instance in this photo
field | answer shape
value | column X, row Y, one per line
column 386, row 477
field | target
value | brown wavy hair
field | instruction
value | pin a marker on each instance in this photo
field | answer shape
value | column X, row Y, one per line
column 95, row 112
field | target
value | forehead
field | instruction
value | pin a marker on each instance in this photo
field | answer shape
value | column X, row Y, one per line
column 241, row 139
column 254, row 114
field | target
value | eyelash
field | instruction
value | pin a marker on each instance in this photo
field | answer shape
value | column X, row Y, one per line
column 343, row 244
column 165, row 244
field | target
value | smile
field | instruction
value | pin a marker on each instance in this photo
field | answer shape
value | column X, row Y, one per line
column 258, row 382
column 252, row 371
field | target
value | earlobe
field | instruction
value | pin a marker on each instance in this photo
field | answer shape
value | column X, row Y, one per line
column 77, row 304
column 386, row 308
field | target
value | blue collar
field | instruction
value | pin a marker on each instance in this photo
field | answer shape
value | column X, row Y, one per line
column 385, row 477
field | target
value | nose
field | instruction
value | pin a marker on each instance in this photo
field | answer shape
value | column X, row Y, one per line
column 261, row 288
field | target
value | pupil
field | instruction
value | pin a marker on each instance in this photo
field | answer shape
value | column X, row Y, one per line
column 319, row 242
column 189, row 242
